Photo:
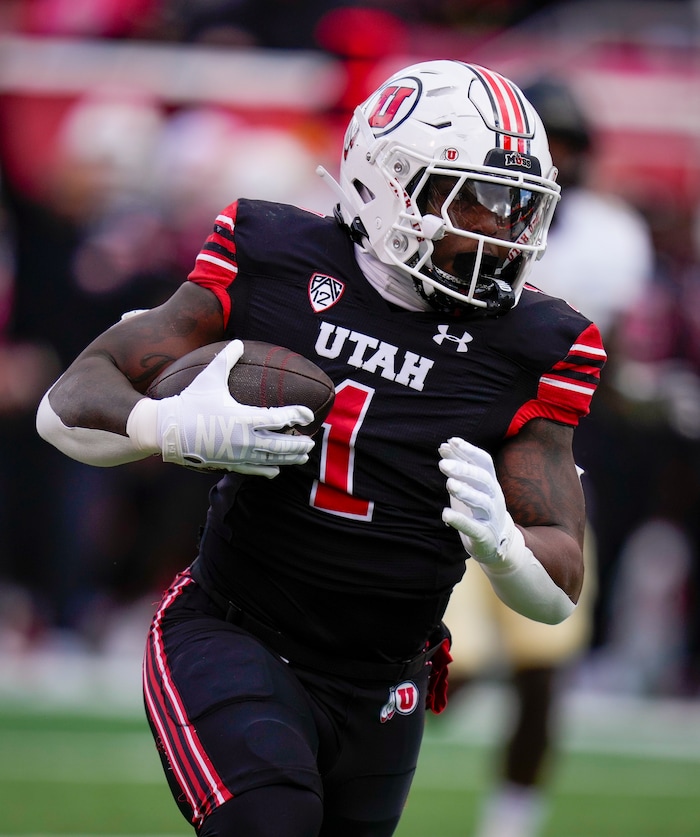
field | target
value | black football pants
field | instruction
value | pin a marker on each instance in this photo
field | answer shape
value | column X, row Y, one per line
column 253, row 746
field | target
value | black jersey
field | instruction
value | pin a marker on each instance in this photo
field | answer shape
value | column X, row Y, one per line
column 348, row 552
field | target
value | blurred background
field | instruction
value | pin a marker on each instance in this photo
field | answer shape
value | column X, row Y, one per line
column 127, row 125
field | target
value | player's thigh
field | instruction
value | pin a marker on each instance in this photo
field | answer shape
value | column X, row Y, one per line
column 227, row 714
column 270, row 811
column 367, row 787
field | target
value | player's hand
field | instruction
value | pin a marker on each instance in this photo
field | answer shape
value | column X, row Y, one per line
column 204, row 427
column 477, row 506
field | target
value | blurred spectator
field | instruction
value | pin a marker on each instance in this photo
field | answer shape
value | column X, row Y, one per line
column 361, row 37
column 88, row 203
column 88, row 243
column 25, row 367
column 599, row 259
column 87, row 18
column 275, row 24
column 206, row 154
column 653, row 621
column 109, row 216
column 359, row 34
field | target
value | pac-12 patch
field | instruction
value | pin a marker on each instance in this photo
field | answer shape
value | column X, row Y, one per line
column 324, row 291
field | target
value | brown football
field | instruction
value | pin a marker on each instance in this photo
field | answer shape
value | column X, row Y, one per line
column 265, row 376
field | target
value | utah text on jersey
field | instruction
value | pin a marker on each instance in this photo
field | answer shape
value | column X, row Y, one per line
column 335, row 340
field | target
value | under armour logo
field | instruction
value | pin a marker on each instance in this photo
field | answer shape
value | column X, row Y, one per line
column 461, row 342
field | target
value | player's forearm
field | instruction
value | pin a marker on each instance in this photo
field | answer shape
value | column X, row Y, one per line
column 560, row 555
column 528, row 583
column 85, row 414
column 93, row 393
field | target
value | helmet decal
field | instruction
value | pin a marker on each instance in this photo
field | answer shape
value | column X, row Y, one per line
column 509, row 116
column 394, row 103
column 350, row 137
column 514, row 160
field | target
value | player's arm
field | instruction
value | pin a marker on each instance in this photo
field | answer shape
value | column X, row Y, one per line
column 102, row 385
column 96, row 412
column 543, row 493
column 522, row 518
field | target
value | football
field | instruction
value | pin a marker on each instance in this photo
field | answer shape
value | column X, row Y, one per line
column 265, row 376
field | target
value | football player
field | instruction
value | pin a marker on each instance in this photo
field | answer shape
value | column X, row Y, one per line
column 288, row 670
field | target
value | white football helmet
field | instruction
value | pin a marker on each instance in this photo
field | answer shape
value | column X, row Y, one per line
column 438, row 145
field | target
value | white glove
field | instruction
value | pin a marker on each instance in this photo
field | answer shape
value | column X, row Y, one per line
column 478, row 512
column 477, row 505
column 205, row 428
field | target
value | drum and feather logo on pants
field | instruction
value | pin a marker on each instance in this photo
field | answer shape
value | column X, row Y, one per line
column 402, row 699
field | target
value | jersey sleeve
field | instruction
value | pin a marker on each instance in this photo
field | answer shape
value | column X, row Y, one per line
column 564, row 392
column 216, row 266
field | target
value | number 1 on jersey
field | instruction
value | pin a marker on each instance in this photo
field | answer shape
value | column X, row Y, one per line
column 332, row 492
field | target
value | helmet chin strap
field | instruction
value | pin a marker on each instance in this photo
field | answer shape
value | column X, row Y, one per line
column 497, row 294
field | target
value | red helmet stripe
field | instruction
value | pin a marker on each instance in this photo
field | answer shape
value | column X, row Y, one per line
column 509, row 112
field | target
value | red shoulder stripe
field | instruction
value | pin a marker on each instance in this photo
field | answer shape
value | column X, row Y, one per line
column 216, row 267
column 564, row 393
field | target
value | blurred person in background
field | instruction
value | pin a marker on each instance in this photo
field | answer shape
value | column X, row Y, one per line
column 600, row 260
column 105, row 213
column 276, row 24
column 289, row 668
column 653, row 620
column 24, row 366
column 88, row 243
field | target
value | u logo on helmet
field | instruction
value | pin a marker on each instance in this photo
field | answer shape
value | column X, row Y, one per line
column 393, row 104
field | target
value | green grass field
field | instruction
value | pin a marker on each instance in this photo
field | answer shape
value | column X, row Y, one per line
column 624, row 772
